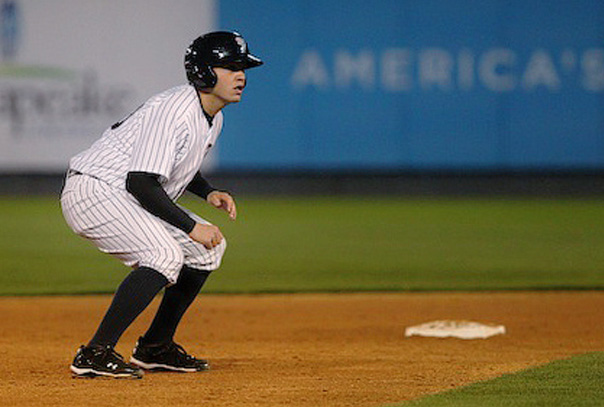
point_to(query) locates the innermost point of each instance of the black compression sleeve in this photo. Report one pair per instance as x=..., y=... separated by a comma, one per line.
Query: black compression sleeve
x=200, y=186
x=147, y=190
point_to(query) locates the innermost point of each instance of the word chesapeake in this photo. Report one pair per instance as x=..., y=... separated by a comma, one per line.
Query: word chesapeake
x=405, y=69
x=23, y=102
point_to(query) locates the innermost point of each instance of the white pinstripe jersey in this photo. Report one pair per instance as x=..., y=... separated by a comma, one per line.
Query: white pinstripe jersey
x=168, y=135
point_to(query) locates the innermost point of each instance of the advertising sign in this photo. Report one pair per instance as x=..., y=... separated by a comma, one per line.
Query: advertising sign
x=71, y=68
x=405, y=84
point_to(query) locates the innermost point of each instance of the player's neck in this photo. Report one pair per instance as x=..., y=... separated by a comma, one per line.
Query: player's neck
x=210, y=103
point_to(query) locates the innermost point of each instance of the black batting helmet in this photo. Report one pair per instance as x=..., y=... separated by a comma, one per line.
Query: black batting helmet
x=226, y=49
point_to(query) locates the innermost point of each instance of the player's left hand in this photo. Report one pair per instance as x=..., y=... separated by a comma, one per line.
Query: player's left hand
x=224, y=201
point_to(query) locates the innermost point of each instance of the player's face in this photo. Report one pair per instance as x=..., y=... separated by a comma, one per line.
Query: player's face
x=230, y=85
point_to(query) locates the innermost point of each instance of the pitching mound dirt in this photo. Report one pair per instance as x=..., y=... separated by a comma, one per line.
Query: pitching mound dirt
x=295, y=350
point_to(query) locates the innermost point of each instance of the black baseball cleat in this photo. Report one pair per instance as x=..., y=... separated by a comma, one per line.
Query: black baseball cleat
x=103, y=361
x=167, y=356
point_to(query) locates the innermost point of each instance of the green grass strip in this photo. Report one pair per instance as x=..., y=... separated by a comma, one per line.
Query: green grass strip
x=33, y=71
x=577, y=381
x=325, y=244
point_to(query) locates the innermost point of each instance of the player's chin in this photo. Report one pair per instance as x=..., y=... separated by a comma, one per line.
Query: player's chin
x=235, y=99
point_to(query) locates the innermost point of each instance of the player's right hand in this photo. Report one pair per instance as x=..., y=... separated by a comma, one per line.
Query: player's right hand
x=208, y=235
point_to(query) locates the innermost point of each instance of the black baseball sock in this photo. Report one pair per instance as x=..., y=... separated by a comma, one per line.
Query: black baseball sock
x=176, y=301
x=131, y=298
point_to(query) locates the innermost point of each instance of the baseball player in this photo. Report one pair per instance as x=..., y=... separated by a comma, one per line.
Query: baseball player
x=121, y=194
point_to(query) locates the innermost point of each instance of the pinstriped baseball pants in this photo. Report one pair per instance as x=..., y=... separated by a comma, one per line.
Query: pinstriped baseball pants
x=119, y=226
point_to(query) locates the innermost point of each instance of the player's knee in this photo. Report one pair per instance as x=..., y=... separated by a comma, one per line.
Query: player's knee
x=168, y=261
x=209, y=259
x=216, y=255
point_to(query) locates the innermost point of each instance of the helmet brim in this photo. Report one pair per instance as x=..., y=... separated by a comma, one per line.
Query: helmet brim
x=240, y=63
x=253, y=61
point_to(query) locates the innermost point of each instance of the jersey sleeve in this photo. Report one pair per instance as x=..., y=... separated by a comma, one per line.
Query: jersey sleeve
x=154, y=150
x=200, y=186
x=148, y=192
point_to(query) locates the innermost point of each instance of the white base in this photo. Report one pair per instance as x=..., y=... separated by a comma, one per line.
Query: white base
x=455, y=329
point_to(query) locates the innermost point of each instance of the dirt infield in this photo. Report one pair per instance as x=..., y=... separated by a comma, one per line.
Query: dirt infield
x=296, y=350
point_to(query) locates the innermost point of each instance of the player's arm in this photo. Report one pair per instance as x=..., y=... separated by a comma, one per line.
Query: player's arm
x=147, y=190
x=200, y=186
x=219, y=199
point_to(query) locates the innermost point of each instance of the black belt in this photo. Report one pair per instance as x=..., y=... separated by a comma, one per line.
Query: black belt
x=71, y=172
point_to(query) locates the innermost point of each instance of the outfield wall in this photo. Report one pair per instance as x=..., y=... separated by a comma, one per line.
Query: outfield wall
x=420, y=85
x=348, y=86
x=71, y=68
x=562, y=184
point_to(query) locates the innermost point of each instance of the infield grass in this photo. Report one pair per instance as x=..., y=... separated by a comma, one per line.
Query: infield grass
x=571, y=382
x=323, y=244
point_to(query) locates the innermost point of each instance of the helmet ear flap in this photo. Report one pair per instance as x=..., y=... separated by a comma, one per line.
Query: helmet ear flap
x=199, y=74
x=203, y=77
